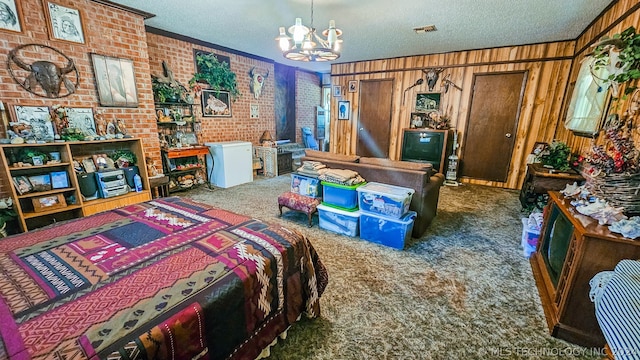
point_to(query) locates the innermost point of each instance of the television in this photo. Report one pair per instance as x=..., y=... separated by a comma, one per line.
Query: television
x=426, y=145
x=555, y=242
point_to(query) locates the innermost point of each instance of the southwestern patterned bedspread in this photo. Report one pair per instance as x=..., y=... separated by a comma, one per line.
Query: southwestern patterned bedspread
x=165, y=279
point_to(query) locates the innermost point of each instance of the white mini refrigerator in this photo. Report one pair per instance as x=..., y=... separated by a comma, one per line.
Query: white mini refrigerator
x=232, y=163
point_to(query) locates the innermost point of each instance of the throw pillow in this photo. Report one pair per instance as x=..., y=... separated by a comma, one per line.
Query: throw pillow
x=322, y=155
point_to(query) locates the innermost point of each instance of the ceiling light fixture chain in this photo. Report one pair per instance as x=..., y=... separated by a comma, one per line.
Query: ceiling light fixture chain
x=303, y=46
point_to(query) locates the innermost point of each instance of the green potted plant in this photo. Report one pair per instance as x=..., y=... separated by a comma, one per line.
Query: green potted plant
x=216, y=74
x=620, y=54
x=556, y=156
x=167, y=92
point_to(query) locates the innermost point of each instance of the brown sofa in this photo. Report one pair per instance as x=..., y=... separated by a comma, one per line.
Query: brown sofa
x=418, y=176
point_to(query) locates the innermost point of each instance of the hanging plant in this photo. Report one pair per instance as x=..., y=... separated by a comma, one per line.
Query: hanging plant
x=620, y=55
x=215, y=73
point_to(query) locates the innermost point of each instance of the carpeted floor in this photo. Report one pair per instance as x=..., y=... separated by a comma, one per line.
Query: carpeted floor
x=462, y=291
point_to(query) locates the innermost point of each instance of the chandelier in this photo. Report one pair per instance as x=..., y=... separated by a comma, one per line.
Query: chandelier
x=307, y=45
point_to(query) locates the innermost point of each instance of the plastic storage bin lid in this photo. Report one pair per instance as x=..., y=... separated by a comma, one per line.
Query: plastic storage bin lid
x=340, y=186
x=386, y=189
x=406, y=219
x=322, y=207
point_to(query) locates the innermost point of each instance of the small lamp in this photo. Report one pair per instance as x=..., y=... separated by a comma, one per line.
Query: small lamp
x=266, y=136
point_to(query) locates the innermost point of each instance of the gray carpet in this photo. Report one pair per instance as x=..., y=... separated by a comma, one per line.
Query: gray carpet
x=462, y=291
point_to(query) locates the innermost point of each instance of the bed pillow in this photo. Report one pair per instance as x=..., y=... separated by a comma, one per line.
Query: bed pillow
x=398, y=164
x=323, y=155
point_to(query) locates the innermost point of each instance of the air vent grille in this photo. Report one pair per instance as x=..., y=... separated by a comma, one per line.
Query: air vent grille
x=425, y=29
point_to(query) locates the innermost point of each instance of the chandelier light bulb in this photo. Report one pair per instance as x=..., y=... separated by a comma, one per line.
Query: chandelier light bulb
x=298, y=31
x=283, y=40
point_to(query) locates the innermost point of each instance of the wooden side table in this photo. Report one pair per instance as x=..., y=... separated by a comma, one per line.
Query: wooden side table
x=539, y=180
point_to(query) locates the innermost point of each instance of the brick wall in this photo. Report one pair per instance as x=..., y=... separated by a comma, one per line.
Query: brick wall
x=107, y=31
x=179, y=56
x=308, y=96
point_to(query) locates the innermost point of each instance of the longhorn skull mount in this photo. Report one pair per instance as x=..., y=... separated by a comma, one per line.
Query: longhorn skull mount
x=432, y=76
x=256, y=82
x=46, y=75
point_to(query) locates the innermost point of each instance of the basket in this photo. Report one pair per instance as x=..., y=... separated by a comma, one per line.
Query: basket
x=620, y=190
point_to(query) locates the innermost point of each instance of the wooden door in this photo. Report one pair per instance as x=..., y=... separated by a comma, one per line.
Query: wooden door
x=492, y=124
x=374, y=122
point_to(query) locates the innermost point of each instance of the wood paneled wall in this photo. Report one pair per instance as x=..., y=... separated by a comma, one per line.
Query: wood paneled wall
x=547, y=65
x=551, y=73
x=614, y=20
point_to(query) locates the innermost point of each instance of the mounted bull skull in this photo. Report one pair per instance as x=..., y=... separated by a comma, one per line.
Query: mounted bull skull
x=45, y=74
x=257, y=80
x=432, y=76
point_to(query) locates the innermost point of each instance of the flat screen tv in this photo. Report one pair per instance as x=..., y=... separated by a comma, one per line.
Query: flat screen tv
x=423, y=146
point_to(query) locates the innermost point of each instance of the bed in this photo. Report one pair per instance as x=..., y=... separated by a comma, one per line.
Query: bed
x=168, y=279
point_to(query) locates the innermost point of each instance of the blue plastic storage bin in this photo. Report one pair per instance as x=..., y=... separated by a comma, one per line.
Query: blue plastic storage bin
x=338, y=221
x=306, y=185
x=388, y=200
x=343, y=196
x=387, y=231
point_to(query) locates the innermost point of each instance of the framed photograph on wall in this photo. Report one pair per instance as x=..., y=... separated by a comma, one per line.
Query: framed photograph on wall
x=344, y=109
x=216, y=103
x=115, y=80
x=337, y=90
x=64, y=23
x=10, y=16
x=353, y=86
x=427, y=102
x=34, y=120
x=82, y=119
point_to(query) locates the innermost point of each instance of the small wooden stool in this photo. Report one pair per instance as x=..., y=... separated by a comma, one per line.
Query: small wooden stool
x=297, y=202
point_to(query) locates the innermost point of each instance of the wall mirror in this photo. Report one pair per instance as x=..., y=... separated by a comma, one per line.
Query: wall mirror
x=589, y=100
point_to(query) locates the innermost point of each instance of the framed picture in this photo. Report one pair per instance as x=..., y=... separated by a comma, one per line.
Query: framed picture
x=59, y=179
x=88, y=165
x=337, y=90
x=344, y=109
x=40, y=182
x=82, y=119
x=65, y=23
x=33, y=121
x=427, y=102
x=103, y=162
x=48, y=202
x=221, y=58
x=37, y=160
x=115, y=80
x=353, y=86
x=418, y=120
x=10, y=16
x=22, y=185
x=216, y=103
x=254, y=111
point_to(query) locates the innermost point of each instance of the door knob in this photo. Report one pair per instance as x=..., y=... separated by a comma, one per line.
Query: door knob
x=508, y=135
x=361, y=129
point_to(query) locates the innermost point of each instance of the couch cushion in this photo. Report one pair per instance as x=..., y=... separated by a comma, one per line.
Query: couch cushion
x=330, y=156
x=398, y=164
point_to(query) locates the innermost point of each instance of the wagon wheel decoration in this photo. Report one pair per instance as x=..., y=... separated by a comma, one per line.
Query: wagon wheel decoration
x=44, y=77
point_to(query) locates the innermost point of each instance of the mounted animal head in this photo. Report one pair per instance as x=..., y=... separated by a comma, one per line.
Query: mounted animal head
x=46, y=74
x=256, y=82
x=432, y=76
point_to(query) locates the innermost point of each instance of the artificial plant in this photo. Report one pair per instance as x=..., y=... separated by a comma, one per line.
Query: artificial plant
x=167, y=92
x=621, y=55
x=216, y=74
x=556, y=156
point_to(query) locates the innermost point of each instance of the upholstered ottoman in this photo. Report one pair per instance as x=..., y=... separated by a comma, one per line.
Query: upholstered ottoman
x=297, y=202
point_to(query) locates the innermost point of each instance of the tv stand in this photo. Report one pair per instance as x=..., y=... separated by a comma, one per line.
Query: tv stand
x=592, y=248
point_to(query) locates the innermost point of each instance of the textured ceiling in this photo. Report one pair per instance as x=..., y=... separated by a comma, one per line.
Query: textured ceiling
x=374, y=29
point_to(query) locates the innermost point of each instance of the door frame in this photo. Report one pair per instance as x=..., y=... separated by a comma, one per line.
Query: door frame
x=515, y=125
